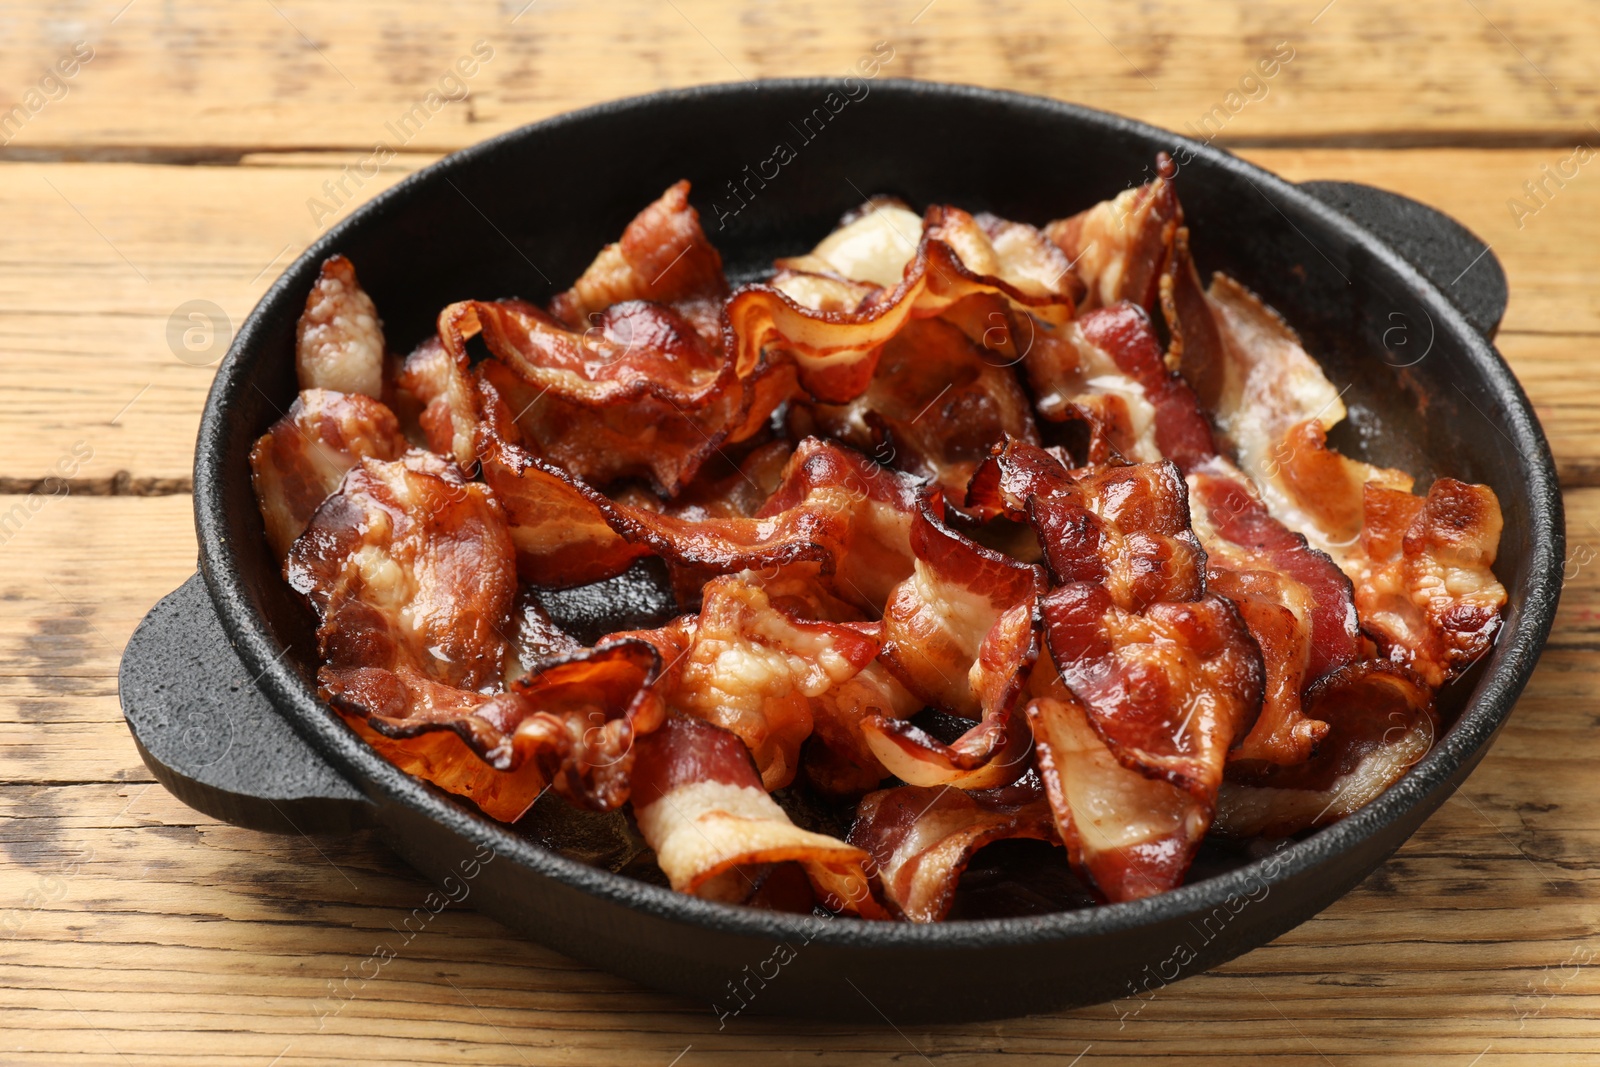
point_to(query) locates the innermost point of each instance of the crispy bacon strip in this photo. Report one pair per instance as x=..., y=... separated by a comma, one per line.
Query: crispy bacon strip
x=664, y=256
x=962, y=633
x=1273, y=407
x=409, y=535
x=638, y=395
x=872, y=244
x=1170, y=689
x=701, y=806
x=1233, y=524
x=339, y=339
x=1381, y=721
x=838, y=759
x=1424, y=588
x=936, y=405
x=560, y=532
x=1132, y=835
x=300, y=461
x=1118, y=247
x=835, y=352
x=755, y=669
x=569, y=724
x=922, y=838
x=441, y=384
x=1423, y=582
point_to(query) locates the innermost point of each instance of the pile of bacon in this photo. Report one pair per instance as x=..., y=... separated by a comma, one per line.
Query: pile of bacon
x=979, y=530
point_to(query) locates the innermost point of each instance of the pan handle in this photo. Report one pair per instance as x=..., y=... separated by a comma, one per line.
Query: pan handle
x=1449, y=254
x=213, y=739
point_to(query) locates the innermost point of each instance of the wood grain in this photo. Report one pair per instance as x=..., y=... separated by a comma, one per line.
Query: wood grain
x=220, y=78
x=177, y=168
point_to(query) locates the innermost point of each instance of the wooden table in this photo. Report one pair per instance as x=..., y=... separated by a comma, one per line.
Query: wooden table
x=178, y=166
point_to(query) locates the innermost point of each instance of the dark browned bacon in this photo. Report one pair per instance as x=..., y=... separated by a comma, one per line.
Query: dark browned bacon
x=922, y=838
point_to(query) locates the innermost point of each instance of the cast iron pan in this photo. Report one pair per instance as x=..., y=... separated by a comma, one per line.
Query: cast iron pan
x=1396, y=300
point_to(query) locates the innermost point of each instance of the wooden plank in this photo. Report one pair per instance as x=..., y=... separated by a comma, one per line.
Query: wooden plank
x=211, y=79
x=140, y=926
x=100, y=373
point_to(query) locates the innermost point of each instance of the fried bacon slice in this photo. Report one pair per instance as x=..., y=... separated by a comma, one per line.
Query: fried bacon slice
x=1381, y=722
x=835, y=353
x=872, y=244
x=569, y=725
x=936, y=405
x=1273, y=408
x=921, y=838
x=1233, y=524
x=962, y=634
x=1424, y=590
x=409, y=564
x=1132, y=835
x=299, y=462
x=664, y=257
x=755, y=669
x=339, y=339
x=1119, y=247
x=838, y=760
x=700, y=804
x=640, y=394
x=1424, y=587
x=442, y=385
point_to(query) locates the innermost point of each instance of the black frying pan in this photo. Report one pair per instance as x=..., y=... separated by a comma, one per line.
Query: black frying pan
x=1396, y=300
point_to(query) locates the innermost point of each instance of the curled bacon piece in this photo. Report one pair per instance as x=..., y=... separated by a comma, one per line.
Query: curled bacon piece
x=441, y=384
x=1134, y=836
x=922, y=838
x=1233, y=524
x=936, y=405
x=569, y=725
x=1424, y=586
x=753, y=668
x=700, y=805
x=439, y=551
x=1235, y=521
x=1119, y=246
x=836, y=352
x=1108, y=365
x=639, y=394
x=1154, y=677
x=962, y=633
x=872, y=245
x=665, y=257
x=838, y=760
x=1170, y=689
x=1424, y=590
x=339, y=339
x=300, y=461
x=1381, y=721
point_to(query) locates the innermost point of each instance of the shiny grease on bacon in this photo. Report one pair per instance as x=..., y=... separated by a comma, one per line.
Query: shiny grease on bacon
x=1186, y=616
